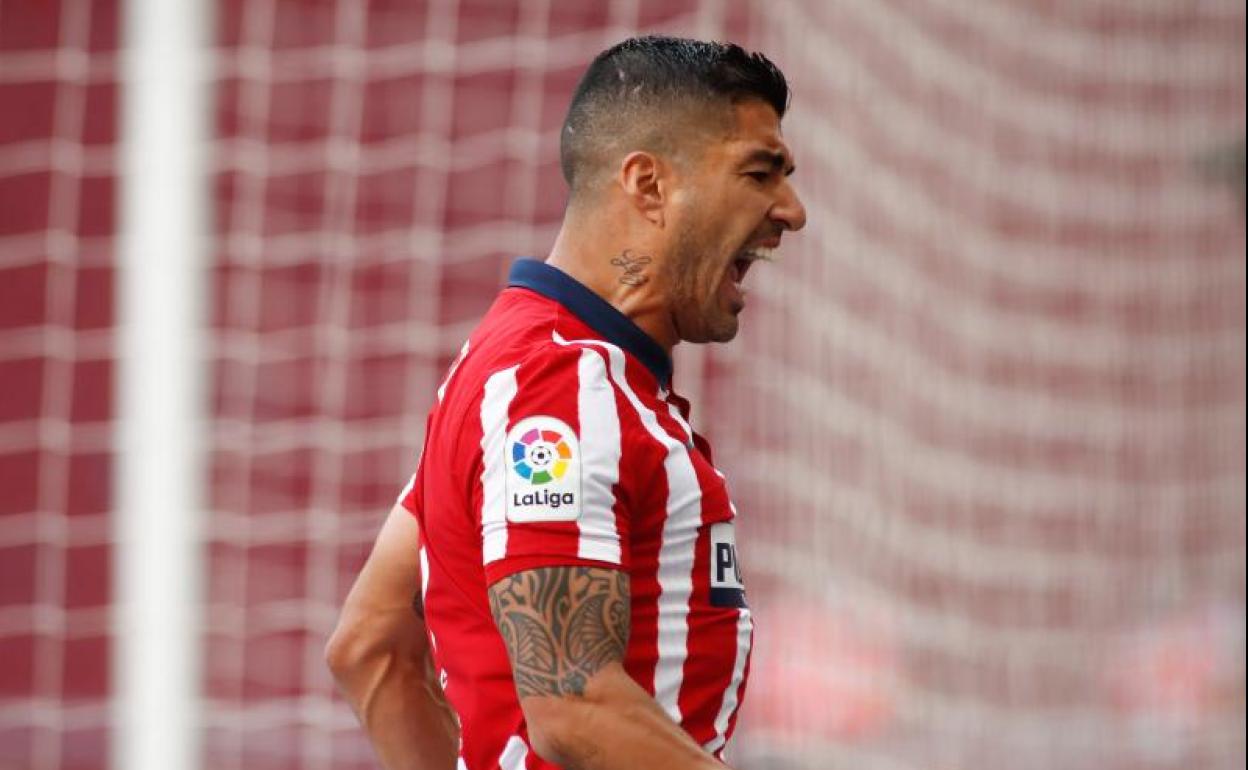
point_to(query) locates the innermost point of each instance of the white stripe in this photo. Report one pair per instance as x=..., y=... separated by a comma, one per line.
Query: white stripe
x=408, y=487
x=500, y=389
x=424, y=593
x=463, y=353
x=424, y=573
x=680, y=535
x=424, y=590
x=731, y=506
x=680, y=420
x=514, y=754
x=745, y=626
x=600, y=460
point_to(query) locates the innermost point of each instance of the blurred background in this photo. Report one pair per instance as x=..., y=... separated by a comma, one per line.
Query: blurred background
x=984, y=424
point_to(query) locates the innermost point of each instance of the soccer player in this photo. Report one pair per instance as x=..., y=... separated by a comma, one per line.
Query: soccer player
x=570, y=545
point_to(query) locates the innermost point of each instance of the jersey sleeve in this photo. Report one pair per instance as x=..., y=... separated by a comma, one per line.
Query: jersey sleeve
x=409, y=498
x=551, y=451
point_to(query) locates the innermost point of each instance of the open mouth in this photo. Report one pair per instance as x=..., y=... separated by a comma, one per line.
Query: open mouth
x=746, y=257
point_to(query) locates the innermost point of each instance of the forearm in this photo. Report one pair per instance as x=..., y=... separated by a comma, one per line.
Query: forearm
x=380, y=656
x=618, y=726
x=400, y=705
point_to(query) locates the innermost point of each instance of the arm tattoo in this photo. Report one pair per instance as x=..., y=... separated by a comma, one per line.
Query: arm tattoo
x=634, y=266
x=561, y=625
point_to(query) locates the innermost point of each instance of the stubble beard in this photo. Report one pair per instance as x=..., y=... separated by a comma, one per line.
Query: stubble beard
x=694, y=281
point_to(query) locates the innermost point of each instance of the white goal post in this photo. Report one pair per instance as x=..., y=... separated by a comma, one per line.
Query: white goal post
x=160, y=393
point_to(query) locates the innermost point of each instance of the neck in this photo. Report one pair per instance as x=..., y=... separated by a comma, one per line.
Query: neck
x=629, y=278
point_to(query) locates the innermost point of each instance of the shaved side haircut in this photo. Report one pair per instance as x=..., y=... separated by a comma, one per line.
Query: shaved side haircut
x=661, y=95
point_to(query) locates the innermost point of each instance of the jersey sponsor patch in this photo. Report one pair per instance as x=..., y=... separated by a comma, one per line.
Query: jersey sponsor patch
x=727, y=590
x=544, y=474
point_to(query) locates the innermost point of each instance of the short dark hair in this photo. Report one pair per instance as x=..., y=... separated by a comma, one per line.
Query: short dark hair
x=635, y=90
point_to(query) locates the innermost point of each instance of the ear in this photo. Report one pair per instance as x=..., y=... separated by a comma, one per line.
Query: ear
x=646, y=181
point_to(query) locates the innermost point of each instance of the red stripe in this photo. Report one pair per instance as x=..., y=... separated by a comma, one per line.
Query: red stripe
x=641, y=470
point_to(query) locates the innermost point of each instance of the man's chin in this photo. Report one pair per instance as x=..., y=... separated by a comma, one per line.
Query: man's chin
x=724, y=330
x=719, y=325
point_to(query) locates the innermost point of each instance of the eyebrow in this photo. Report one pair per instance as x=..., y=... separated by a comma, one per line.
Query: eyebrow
x=776, y=159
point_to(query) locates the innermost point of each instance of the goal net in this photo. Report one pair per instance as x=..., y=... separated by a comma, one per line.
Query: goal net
x=984, y=424
x=58, y=96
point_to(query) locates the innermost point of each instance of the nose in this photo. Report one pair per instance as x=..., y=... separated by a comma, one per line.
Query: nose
x=788, y=210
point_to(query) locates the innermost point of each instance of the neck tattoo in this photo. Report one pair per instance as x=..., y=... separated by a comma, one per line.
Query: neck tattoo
x=634, y=266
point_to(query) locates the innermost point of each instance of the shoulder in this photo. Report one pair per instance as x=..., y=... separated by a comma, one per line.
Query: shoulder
x=554, y=372
x=557, y=383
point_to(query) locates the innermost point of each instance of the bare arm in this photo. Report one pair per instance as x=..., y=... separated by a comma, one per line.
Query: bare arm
x=566, y=629
x=380, y=656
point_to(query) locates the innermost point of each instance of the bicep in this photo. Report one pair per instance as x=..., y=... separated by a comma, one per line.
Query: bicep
x=561, y=626
x=385, y=596
x=566, y=630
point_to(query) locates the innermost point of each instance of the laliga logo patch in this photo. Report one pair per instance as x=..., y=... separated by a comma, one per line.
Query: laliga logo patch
x=544, y=480
x=541, y=456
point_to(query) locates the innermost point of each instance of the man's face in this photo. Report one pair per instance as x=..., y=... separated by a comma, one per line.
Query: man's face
x=729, y=212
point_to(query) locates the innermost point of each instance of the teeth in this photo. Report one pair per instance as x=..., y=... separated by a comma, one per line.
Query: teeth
x=745, y=258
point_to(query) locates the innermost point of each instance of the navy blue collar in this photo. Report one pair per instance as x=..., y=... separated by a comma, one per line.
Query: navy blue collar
x=595, y=311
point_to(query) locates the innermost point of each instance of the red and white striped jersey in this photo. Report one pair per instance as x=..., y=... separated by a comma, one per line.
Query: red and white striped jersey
x=556, y=441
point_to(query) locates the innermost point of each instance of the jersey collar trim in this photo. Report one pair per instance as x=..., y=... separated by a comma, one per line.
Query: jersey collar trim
x=595, y=311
